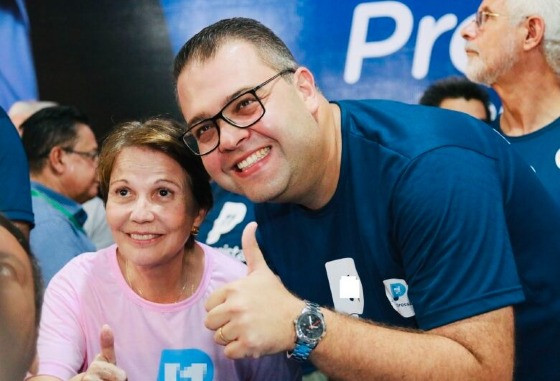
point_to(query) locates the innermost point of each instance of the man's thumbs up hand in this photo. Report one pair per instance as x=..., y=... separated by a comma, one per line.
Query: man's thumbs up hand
x=254, y=315
x=251, y=251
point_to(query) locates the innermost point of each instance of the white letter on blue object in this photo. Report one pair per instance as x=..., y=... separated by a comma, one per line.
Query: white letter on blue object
x=428, y=32
x=359, y=48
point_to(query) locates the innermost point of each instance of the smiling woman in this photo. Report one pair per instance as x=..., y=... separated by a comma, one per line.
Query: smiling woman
x=20, y=300
x=152, y=285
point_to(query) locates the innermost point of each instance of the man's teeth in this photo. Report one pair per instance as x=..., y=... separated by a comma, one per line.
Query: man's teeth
x=143, y=236
x=253, y=158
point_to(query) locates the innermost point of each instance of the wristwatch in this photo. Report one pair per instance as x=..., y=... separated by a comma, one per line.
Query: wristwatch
x=310, y=329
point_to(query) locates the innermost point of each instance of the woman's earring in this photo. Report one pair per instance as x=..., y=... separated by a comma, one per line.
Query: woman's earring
x=194, y=231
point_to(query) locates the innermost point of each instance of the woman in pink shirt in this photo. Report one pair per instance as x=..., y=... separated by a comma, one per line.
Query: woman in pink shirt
x=135, y=310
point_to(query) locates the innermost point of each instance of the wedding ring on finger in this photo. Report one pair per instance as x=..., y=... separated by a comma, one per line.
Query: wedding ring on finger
x=222, y=337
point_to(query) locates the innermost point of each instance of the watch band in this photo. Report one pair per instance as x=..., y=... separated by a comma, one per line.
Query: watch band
x=301, y=351
x=303, y=347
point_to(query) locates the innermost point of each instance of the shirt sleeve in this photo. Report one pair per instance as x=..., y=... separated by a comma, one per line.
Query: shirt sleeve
x=15, y=199
x=61, y=346
x=451, y=232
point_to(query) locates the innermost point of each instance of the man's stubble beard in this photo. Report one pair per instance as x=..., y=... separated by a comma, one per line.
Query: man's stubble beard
x=480, y=71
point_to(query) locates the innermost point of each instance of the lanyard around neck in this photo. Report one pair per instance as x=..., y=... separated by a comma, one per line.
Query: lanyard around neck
x=55, y=204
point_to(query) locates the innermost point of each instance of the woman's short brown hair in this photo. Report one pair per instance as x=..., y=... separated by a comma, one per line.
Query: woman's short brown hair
x=162, y=135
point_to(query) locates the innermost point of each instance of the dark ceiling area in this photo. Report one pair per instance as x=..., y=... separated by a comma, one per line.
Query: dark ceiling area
x=112, y=59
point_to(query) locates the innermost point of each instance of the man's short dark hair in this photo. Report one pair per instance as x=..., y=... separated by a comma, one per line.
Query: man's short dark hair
x=204, y=45
x=36, y=272
x=48, y=128
x=455, y=87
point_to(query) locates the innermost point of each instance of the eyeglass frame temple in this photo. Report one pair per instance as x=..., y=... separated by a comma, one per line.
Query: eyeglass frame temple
x=487, y=13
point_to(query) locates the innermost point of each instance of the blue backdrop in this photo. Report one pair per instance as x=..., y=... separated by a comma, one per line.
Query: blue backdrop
x=388, y=49
x=356, y=49
x=17, y=74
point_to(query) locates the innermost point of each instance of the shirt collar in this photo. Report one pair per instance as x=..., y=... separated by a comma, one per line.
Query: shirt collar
x=70, y=205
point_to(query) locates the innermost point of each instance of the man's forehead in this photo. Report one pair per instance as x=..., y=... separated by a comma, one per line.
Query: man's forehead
x=83, y=128
x=492, y=4
x=235, y=58
x=204, y=87
x=85, y=134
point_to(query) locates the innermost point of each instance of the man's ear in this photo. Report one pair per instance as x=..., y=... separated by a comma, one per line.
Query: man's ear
x=56, y=160
x=534, y=35
x=305, y=84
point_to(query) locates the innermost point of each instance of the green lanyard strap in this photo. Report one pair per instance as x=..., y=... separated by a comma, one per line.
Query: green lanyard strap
x=55, y=204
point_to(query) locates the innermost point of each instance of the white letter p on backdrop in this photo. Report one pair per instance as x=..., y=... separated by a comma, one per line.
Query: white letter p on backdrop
x=359, y=48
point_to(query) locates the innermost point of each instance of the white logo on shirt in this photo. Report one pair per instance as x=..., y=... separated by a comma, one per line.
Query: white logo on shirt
x=232, y=213
x=557, y=159
x=194, y=372
x=189, y=364
x=397, y=293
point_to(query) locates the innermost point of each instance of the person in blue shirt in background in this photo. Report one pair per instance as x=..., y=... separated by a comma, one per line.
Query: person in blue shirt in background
x=458, y=94
x=514, y=47
x=62, y=153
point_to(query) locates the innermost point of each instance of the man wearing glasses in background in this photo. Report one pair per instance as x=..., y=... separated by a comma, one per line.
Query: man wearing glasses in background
x=414, y=220
x=514, y=46
x=62, y=152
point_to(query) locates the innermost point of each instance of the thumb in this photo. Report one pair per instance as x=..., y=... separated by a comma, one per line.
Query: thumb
x=251, y=250
x=107, y=344
x=34, y=367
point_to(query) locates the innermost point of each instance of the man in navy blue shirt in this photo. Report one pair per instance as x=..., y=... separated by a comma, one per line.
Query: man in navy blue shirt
x=514, y=46
x=421, y=222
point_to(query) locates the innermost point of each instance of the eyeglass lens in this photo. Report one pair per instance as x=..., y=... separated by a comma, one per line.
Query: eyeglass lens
x=478, y=19
x=241, y=112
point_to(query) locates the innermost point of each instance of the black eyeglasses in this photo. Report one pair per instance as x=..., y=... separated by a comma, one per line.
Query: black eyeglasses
x=91, y=155
x=242, y=111
x=482, y=16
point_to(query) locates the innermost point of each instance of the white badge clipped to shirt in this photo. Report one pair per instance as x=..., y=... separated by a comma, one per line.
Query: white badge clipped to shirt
x=346, y=288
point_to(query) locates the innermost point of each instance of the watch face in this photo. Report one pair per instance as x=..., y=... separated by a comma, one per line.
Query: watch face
x=311, y=325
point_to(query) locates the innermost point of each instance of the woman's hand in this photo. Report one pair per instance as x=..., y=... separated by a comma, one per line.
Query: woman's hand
x=104, y=366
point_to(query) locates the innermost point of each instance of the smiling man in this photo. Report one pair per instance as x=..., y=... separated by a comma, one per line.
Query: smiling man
x=514, y=46
x=62, y=154
x=421, y=222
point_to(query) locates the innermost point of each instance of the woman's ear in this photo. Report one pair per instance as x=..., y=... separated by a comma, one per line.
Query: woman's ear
x=200, y=216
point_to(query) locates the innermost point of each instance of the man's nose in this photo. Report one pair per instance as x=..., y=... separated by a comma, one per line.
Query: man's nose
x=468, y=32
x=231, y=136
